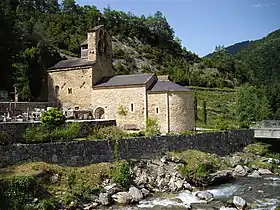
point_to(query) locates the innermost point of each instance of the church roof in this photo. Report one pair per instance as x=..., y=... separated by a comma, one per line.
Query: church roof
x=121, y=80
x=163, y=86
x=75, y=62
x=84, y=42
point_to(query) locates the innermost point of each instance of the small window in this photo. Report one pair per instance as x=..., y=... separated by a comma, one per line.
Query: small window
x=77, y=108
x=84, y=47
x=56, y=89
x=132, y=107
x=69, y=91
x=157, y=110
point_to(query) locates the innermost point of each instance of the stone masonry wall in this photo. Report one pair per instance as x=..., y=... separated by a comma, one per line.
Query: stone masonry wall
x=79, y=153
x=158, y=101
x=112, y=99
x=182, y=115
x=79, y=80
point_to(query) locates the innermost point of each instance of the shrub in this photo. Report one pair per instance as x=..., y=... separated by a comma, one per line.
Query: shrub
x=47, y=204
x=135, y=134
x=18, y=191
x=152, y=128
x=53, y=118
x=67, y=133
x=257, y=149
x=122, y=111
x=110, y=132
x=198, y=175
x=122, y=175
x=42, y=134
x=221, y=124
x=5, y=138
x=36, y=134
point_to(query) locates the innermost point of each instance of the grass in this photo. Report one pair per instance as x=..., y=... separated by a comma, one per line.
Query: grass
x=91, y=175
x=198, y=165
x=60, y=184
x=220, y=105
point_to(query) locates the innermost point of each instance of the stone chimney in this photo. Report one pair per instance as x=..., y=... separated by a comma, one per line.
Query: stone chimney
x=163, y=77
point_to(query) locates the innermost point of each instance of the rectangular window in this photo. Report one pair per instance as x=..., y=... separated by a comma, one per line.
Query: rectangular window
x=69, y=91
x=157, y=110
x=132, y=107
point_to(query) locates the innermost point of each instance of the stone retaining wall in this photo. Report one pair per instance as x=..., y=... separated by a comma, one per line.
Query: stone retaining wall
x=79, y=153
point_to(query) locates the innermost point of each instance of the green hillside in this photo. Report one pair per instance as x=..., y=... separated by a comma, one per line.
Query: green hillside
x=220, y=107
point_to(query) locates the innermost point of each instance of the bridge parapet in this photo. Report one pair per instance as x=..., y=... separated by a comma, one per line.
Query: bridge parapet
x=267, y=129
x=267, y=124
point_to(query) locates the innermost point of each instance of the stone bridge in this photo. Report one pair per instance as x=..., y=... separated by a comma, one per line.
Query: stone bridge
x=267, y=129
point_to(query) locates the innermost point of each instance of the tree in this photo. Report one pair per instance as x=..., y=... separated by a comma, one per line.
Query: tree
x=8, y=42
x=53, y=118
x=252, y=105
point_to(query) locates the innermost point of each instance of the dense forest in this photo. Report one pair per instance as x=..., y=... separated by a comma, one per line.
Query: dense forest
x=36, y=34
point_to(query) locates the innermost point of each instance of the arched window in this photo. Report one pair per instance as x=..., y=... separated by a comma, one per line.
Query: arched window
x=99, y=113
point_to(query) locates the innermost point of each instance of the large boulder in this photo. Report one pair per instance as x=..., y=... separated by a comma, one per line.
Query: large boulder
x=141, y=178
x=240, y=171
x=235, y=160
x=204, y=195
x=255, y=174
x=122, y=198
x=145, y=192
x=136, y=194
x=239, y=202
x=227, y=208
x=104, y=199
x=172, y=185
x=220, y=177
x=179, y=184
x=264, y=171
x=113, y=189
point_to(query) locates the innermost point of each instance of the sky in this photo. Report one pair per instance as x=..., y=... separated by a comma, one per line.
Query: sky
x=204, y=24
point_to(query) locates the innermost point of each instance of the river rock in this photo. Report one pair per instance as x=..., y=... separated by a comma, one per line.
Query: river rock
x=90, y=206
x=136, y=194
x=172, y=185
x=145, y=192
x=104, y=199
x=264, y=171
x=122, y=198
x=205, y=195
x=240, y=171
x=235, y=160
x=113, y=189
x=227, y=208
x=165, y=159
x=187, y=186
x=255, y=174
x=179, y=184
x=239, y=202
x=54, y=178
x=141, y=178
x=220, y=177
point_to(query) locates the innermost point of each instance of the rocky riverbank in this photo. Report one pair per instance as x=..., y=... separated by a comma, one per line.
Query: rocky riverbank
x=141, y=184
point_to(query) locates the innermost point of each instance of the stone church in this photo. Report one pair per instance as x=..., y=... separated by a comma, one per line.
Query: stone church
x=90, y=83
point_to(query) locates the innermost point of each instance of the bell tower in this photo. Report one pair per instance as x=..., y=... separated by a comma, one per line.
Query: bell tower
x=98, y=46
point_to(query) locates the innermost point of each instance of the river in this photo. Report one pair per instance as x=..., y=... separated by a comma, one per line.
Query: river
x=260, y=193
